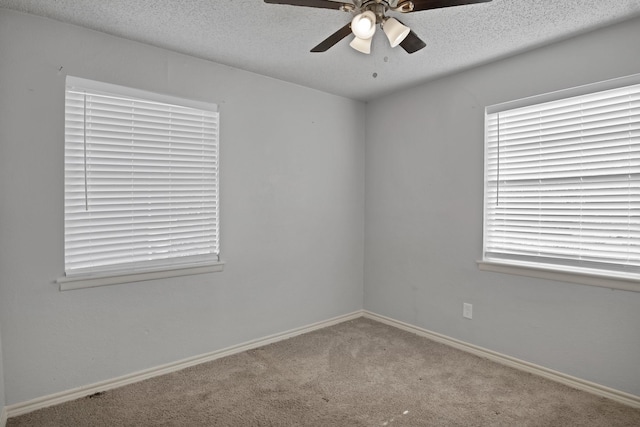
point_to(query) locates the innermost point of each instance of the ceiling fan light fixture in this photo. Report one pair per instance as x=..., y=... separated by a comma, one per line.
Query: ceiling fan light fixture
x=361, y=45
x=363, y=25
x=395, y=31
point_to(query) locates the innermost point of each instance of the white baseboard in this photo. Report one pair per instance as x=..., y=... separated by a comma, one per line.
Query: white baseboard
x=593, y=388
x=77, y=393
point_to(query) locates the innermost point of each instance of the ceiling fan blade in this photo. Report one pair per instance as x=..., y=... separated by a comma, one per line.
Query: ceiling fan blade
x=419, y=5
x=322, y=4
x=412, y=43
x=333, y=39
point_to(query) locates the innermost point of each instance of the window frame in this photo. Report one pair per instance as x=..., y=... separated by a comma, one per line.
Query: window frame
x=156, y=269
x=566, y=273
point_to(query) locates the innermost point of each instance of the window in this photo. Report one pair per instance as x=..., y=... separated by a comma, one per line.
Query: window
x=141, y=185
x=562, y=182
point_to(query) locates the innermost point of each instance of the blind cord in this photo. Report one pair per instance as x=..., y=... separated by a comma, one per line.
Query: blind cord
x=84, y=132
x=498, y=175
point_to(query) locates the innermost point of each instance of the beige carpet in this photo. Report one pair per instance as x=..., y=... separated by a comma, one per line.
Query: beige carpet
x=358, y=373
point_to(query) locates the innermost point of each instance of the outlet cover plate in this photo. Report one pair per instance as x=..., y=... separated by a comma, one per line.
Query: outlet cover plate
x=467, y=310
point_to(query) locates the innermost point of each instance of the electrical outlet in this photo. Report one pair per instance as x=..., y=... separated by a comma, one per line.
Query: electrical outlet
x=467, y=310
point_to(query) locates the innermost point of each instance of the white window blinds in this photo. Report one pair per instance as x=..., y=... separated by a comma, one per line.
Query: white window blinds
x=563, y=181
x=141, y=180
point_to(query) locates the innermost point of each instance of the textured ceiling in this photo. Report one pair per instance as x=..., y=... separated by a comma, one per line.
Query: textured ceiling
x=274, y=40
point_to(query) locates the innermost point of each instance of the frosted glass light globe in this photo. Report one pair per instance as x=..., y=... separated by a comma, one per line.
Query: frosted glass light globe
x=363, y=26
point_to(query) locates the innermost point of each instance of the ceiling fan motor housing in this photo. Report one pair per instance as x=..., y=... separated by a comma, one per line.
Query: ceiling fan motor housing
x=378, y=7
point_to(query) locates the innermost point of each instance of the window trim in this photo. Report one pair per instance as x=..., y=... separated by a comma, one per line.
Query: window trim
x=115, y=276
x=579, y=276
x=565, y=93
x=106, y=279
x=564, y=273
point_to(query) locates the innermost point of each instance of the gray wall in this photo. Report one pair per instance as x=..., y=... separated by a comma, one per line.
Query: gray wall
x=292, y=214
x=423, y=221
x=3, y=401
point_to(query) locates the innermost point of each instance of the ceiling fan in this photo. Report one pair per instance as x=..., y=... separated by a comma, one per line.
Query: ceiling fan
x=369, y=14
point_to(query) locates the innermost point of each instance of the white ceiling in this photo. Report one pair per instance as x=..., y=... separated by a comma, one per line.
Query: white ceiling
x=274, y=40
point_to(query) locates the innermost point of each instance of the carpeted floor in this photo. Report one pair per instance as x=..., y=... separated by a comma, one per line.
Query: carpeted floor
x=358, y=373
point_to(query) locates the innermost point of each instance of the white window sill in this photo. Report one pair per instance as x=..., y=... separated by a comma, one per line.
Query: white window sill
x=91, y=281
x=584, y=277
